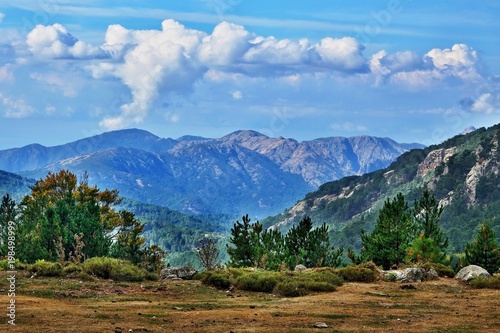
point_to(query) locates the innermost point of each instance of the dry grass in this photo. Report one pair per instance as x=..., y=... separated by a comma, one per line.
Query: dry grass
x=68, y=305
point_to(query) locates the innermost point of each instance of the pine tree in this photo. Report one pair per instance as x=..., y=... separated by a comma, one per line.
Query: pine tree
x=245, y=240
x=8, y=213
x=431, y=245
x=393, y=233
x=310, y=247
x=484, y=250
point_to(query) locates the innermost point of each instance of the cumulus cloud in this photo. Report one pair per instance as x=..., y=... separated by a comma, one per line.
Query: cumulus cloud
x=16, y=108
x=461, y=62
x=486, y=103
x=153, y=62
x=55, y=81
x=55, y=42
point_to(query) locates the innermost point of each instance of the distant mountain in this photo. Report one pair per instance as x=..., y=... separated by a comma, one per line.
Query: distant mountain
x=462, y=172
x=242, y=172
x=14, y=185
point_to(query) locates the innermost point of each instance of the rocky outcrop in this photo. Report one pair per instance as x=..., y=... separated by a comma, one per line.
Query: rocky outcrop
x=410, y=275
x=300, y=268
x=469, y=273
x=179, y=272
x=434, y=159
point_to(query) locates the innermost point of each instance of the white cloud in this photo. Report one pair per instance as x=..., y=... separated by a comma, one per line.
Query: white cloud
x=55, y=81
x=6, y=72
x=461, y=62
x=55, y=42
x=486, y=103
x=2, y=16
x=16, y=108
x=343, y=54
x=237, y=94
x=349, y=127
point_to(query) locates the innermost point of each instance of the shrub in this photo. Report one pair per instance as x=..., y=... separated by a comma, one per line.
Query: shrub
x=290, y=288
x=357, y=274
x=258, y=281
x=4, y=265
x=324, y=274
x=118, y=270
x=294, y=288
x=442, y=270
x=46, y=268
x=72, y=269
x=219, y=280
x=482, y=282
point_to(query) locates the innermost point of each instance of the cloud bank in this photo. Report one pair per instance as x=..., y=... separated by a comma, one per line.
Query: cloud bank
x=156, y=63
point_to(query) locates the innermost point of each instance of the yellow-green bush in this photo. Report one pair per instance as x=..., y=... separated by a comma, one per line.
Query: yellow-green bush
x=294, y=288
x=482, y=282
x=118, y=270
x=357, y=274
x=258, y=281
x=46, y=268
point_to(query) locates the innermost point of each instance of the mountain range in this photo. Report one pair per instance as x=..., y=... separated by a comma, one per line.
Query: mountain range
x=463, y=173
x=242, y=172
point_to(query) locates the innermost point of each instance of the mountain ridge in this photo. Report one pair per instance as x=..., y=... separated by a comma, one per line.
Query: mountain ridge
x=243, y=171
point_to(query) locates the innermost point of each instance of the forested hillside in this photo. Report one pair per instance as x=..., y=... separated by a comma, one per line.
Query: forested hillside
x=462, y=172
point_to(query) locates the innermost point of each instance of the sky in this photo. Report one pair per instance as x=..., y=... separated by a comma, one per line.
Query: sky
x=414, y=71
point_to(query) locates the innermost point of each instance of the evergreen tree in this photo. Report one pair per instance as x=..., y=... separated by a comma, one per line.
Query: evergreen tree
x=272, y=249
x=484, y=251
x=387, y=244
x=431, y=245
x=8, y=213
x=245, y=240
x=310, y=247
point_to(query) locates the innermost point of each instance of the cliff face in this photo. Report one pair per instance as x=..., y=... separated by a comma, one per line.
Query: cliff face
x=463, y=173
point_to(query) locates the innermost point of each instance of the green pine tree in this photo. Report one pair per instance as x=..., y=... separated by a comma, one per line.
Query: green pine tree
x=387, y=244
x=245, y=240
x=8, y=213
x=484, y=250
x=431, y=245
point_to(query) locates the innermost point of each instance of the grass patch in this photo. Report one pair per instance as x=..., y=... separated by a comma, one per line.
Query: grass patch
x=115, y=269
x=485, y=283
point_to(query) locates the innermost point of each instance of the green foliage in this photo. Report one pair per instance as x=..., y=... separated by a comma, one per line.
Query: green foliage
x=424, y=250
x=484, y=251
x=291, y=288
x=490, y=283
x=245, y=239
x=45, y=268
x=285, y=283
x=8, y=213
x=264, y=281
x=303, y=244
x=393, y=233
x=219, y=280
x=357, y=274
x=115, y=269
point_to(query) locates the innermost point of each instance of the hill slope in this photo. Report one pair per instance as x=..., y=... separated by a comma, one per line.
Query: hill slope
x=463, y=173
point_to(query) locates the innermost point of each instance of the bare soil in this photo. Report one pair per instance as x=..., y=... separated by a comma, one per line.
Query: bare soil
x=70, y=305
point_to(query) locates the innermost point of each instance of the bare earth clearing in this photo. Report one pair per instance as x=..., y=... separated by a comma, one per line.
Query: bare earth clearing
x=70, y=305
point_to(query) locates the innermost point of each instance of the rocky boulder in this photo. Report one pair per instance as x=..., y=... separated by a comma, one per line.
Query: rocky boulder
x=178, y=272
x=300, y=268
x=469, y=273
x=409, y=275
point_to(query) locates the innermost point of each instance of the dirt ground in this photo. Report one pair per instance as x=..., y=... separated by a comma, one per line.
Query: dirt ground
x=70, y=305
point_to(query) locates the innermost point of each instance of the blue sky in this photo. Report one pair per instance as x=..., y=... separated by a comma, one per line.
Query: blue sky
x=415, y=71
